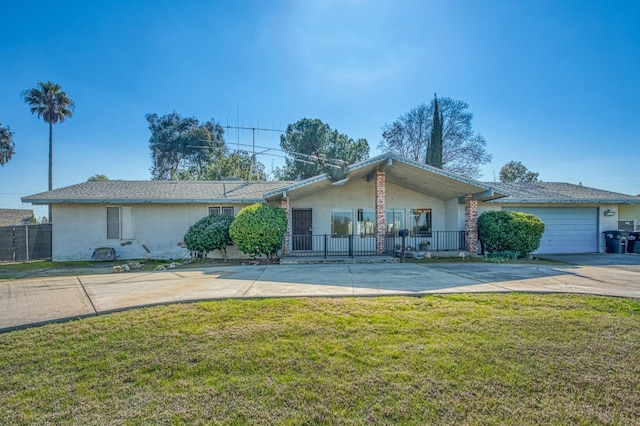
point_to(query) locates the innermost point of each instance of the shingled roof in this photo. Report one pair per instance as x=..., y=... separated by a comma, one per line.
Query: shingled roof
x=137, y=192
x=179, y=192
x=560, y=193
x=10, y=217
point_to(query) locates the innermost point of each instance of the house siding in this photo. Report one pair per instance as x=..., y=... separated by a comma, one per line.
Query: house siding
x=79, y=229
x=629, y=212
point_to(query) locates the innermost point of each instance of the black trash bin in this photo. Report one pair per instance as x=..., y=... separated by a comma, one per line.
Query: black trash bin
x=633, y=242
x=616, y=241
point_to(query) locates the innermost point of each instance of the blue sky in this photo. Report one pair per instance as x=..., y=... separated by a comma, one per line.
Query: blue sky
x=554, y=84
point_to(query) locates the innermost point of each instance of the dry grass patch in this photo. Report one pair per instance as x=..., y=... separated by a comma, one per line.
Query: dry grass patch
x=463, y=359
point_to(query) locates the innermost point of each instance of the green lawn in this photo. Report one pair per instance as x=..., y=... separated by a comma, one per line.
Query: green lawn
x=463, y=359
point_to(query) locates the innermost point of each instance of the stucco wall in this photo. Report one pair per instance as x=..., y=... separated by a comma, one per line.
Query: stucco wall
x=454, y=215
x=608, y=223
x=486, y=207
x=148, y=231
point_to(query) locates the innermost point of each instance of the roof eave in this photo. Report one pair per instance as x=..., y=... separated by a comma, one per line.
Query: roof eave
x=296, y=185
x=449, y=175
x=498, y=192
x=563, y=201
x=146, y=201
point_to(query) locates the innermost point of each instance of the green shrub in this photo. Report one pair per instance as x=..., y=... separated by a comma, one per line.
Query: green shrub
x=208, y=234
x=258, y=229
x=516, y=232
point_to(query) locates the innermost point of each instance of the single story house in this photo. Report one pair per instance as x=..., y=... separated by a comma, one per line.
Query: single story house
x=361, y=214
x=139, y=219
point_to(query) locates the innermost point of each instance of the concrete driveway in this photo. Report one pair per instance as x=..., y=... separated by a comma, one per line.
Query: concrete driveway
x=627, y=261
x=41, y=300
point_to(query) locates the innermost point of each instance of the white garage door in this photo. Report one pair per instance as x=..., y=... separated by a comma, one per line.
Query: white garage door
x=567, y=229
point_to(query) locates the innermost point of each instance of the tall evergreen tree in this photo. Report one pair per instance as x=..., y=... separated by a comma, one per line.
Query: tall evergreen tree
x=434, y=149
x=463, y=150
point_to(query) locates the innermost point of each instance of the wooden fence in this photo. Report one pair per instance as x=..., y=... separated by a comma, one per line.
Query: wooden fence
x=25, y=242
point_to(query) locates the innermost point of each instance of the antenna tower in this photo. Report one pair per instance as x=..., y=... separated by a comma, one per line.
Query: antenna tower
x=253, y=170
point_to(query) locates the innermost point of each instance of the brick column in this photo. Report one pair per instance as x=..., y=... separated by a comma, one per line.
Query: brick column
x=471, y=223
x=284, y=204
x=380, y=207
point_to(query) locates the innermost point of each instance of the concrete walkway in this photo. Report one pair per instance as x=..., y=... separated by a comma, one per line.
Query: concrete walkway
x=41, y=300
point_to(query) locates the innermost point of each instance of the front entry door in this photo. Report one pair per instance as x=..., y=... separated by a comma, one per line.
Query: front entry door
x=302, y=229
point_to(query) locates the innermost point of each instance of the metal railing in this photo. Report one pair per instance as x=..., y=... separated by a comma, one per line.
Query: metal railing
x=326, y=245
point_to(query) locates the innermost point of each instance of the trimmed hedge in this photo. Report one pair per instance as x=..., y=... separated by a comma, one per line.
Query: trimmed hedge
x=208, y=234
x=515, y=232
x=258, y=229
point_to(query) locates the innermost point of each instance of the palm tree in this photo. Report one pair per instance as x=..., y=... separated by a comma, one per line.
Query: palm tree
x=53, y=105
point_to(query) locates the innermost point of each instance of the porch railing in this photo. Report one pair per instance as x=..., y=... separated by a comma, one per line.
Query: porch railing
x=326, y=245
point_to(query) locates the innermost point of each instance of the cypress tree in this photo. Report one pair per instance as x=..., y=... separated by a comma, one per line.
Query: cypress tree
x=434, y=150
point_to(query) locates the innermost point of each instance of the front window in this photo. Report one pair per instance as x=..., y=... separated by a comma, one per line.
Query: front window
x=395, y=220
x=421, y=222
x=341, y=223
x=224, y=211
x=113, y=223
x=366, y=225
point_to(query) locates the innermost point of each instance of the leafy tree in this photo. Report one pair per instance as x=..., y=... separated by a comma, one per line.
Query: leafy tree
x=515, y=171
x=98, y=178
x=6, y=144
x=258, y=229
x=182, y=147
x=236, y=164
x=53, y=105
x=313, y=148
x=434, y=150
x=463, y=151
x=505, y=231
x=208, y=234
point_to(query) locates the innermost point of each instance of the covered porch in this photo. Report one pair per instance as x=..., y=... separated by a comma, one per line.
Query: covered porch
x=378, y=203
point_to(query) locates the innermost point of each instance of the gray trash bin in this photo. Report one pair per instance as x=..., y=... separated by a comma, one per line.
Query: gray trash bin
x=616, y=241
x=633, y=242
